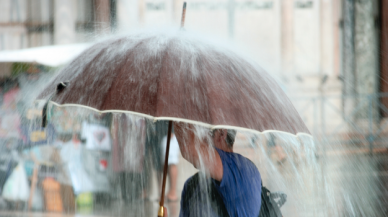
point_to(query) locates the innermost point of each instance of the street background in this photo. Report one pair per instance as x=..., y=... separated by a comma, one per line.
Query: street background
x=329, y=57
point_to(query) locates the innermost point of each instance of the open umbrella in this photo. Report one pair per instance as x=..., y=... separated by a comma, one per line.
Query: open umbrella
x=175, y=76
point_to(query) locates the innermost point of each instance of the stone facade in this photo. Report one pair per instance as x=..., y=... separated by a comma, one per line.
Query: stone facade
x=366, y=47
x=361, y=59
x=32, y=23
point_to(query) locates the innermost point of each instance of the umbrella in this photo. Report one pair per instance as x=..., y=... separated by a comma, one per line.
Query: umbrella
x=175, y=76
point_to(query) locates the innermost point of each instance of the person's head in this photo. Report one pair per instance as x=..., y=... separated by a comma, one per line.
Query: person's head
x=223, y=138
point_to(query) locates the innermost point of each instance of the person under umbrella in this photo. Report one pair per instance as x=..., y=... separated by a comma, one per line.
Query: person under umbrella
x=234, y=180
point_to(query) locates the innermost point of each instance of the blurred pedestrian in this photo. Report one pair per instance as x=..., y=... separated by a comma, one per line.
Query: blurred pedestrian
x=129, y=140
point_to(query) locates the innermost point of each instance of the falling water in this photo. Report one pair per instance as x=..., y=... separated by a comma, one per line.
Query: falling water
x=112, y=176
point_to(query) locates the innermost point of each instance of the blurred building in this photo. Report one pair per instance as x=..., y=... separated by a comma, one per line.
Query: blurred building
x=32, y=23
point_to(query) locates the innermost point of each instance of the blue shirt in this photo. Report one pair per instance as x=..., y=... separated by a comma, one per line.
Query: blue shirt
x=240, y=189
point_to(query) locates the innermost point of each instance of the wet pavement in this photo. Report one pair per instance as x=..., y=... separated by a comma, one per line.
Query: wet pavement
x=360, y=184
x=351, y=185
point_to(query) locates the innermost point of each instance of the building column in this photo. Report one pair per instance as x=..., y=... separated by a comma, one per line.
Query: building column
x=326, y=39
x=287, y=37
x=102, y=16
x=348, y=57
x=366, y=47
x=336, y=25
x=128, y=15
x=383, y=54
x=366, y=59
x=64, y=22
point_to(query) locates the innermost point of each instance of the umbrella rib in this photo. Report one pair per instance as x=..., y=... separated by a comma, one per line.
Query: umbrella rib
x=164, y=59
x=202, y=68
x=86, y=67
x=119, y=69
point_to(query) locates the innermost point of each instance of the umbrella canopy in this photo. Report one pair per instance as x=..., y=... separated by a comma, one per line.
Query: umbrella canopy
x=176, y=76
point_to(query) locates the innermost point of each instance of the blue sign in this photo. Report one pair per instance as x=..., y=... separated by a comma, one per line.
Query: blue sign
x=35, y=135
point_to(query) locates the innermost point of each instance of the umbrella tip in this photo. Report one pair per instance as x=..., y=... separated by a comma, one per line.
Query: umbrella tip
x=183, y=15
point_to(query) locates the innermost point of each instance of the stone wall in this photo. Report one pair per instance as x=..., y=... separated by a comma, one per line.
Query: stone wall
x=366, y=46
x=360, y=58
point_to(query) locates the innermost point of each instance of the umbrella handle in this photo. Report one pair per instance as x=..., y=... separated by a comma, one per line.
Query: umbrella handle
x=161, y=203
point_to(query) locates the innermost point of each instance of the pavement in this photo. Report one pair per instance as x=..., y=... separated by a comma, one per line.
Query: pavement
x=345, y=183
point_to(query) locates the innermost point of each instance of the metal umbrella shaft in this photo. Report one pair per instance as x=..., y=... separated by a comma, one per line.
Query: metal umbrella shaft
x=183, y=15
x=161, y=203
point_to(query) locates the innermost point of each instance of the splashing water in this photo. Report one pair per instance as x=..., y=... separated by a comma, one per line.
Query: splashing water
x=114, y=158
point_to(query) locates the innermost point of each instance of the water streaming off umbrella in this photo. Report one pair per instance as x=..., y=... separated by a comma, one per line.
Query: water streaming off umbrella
x=315, y=185
x=111, y=175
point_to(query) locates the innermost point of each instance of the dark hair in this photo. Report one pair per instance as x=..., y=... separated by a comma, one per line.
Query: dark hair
x=230, y=137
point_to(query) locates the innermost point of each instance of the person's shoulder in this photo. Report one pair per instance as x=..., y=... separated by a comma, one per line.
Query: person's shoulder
x=232, y=156
x=245, y=162
x=249, y=161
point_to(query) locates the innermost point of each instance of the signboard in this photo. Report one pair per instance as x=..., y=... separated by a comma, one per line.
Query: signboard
x=34, y=135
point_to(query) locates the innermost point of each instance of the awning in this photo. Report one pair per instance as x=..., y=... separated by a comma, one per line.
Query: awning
x=53, y=56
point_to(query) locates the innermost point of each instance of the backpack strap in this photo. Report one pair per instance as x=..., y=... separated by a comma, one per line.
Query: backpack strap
x=269, y=207
x=191, y=185
x=216, y=202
